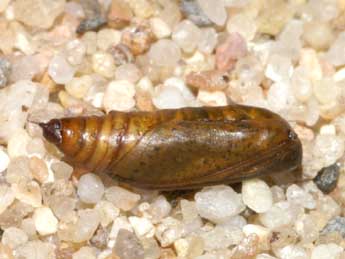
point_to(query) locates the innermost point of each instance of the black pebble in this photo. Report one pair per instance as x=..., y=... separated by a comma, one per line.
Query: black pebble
x=327, y=178
x=92, y=24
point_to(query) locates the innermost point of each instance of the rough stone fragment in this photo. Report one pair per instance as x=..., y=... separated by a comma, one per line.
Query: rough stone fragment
x=128, y=246
x=107, y=211
x=214, y=10
x=4, y=160
x=91, y=24
x=45, y=221
x=335, y=225
x=192, y=10
x=38, y=13
x=103, y=64
x=297, y=195
x=36, y=249
x=165, y=53
x=257, y=195
x=108, y=37
x=85, y=253
x=218, y=203
x=119, y=96
x=187, y=35
x=138, y=38
x=212, y=98
x=60, y=70
x=168, y=231
x=292, y=252
x=327, y=178
x=122, y=198
x=327, y=251
x=14, y=237
x=208, y=80
x=90, y=188
x=159, y=28
x=94, y=16
x=119, y=14
x=232, y=49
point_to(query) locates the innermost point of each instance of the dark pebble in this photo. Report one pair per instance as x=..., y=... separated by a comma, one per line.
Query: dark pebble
x=5, y=71
x=335, y=225
x=95, y=16
x=327, y=178
x=193, y=12
x=92, y=24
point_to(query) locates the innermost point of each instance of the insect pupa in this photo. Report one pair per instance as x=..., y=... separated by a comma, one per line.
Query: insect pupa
x=179, y=148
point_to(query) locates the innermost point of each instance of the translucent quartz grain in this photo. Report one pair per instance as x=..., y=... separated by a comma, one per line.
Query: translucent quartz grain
x=119, y=96
x=39, y=169
x=257, y=195
x=107, y=38
x=141, y=225
x=78, y=87
x=7, y=197
x=129, y=72
x=218, y=203
x=279, y=68
x=38, y=13
x=83, y=229
x=327, y=251
x=4, y=160
x=122, y=198
x=297, y=195
x=19, y=170
x=14, y=237
x=318, y=35
x=128, y=246
x=325, y=90
x=75, y=52
x=85, y=253
x=173, y=94
x=264, y=234
x=242, y=24
x=36, y=249
x=45, y=221
x=335, y=54
x=212, y=98
x=301, y=85
x=3, y=5
x=159, y=208
x=281, y=214
x=103, y=64
x=187, y=35
x=207, y=40
x=165, y=53
x=292, y=252
x=19, y=139
x=221, y=237
x=328, y=148
x=214, y=10
x=60, y=70
x=90, y=188
x=168, y=231
x=160, y=28
x=107, y=211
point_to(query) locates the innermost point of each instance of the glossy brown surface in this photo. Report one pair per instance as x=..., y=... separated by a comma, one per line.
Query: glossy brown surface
x=179, y=149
